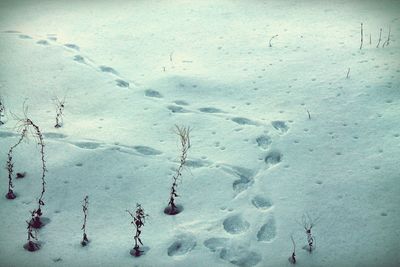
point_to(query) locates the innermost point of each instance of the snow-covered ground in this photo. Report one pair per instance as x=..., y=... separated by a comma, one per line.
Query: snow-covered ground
x=131, y=70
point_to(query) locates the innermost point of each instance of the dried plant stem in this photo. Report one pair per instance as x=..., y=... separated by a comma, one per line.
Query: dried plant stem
x=32, y=234
x=2, y=110
x=38, y=134
x=362, y=37
x=10, y=164
x=380, y=38
x=184, y=135
x=292, y=258
x=138, y=221
x=60, y=104
x=270, y=40
x=85, y=209
x=386, y=43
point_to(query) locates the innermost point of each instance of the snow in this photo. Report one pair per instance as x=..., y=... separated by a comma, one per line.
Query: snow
x=131, y=70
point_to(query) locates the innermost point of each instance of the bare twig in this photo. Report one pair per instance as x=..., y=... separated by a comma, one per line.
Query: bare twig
x=85, y=209
x=184, y=135
x=60, y=104
x=386, y=43
x=292, y=258
x=2, y=110
x=380, y=38
x=10, y=164
x=362, y=36
x=348, y=72
x=308, y=223
x=270, y=40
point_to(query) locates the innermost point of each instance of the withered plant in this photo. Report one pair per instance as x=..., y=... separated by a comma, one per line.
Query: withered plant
x=85, y=209
x=308, y=223
x=292, y=258
x=362, y=37
x=2, y=110
x=380, y=37
x=32, y=235
x=386, y=43
x=60, y=104
x=10, y=164
x=184, y=135
x=37, y=223
x=138, y=221
x=26, y=126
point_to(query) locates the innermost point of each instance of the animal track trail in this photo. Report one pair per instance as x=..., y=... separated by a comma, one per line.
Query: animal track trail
x=85, y=60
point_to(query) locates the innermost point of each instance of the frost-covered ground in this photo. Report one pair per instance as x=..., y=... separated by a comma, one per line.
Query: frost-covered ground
x=131, y=70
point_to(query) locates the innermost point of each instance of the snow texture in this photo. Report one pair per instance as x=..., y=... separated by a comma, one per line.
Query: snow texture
x=306, y=125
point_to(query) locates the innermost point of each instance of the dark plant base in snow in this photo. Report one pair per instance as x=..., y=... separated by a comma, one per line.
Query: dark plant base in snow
x=20, y=175
x=85, y=241
x=139, y=252
x=57, y=126
x=170, y=211
x=307, y=247
x=10, y=195
x=39, y=222
x=32, y=246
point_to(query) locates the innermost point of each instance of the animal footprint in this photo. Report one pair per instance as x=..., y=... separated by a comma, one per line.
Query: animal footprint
x=181, y=103
x=152, y=93
x=177, y=109
x=197, y=163
x=240, y=256
x=243, y=121
x=145, y=150
x=54, y=135
x=87, y=145
x=280, y=126
x=42, y=42
x=261, y=202
x=108, y=69
x=267, y=232
x=23, y=36
x=72, y=46
x=79, y=58
x=214, y=244
x=210, y=110
x=182, y=246
x=273, y=158
x=236, y=224
x=264, y=141
x=122, y=83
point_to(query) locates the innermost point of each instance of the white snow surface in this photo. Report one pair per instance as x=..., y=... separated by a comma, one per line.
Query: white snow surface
x=131, y=70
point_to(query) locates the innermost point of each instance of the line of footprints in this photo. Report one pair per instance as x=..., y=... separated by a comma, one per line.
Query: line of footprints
x=230, y=249
x=52, y=40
